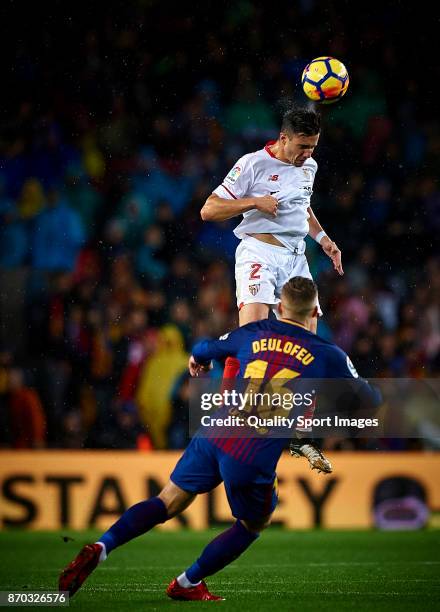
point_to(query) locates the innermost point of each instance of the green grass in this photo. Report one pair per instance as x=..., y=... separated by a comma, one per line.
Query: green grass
x=284, y=570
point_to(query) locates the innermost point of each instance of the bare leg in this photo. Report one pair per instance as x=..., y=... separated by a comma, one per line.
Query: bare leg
x=176, y=500
x=253, y=312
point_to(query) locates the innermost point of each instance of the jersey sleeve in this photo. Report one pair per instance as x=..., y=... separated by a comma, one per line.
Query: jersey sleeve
x=341, y=365
x=314, y=170
x=238, y=181
x=226, y=346
x=369, y=397
x=311, y=173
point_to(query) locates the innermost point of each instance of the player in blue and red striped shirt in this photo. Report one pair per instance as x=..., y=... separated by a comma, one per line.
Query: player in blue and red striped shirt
x=281, y=349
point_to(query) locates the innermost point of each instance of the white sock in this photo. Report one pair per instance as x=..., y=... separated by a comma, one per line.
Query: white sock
x=184, y=582
x=103, y=555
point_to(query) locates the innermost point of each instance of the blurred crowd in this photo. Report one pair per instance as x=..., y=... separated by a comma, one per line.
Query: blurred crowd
x=107, y=273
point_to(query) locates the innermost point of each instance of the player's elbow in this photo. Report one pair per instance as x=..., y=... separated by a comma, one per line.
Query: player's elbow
x=207, y=212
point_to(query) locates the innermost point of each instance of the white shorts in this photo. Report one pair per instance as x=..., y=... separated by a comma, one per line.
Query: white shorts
x=262, y=269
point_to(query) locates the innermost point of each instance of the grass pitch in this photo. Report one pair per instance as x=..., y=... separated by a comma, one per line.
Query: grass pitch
x=284, y=570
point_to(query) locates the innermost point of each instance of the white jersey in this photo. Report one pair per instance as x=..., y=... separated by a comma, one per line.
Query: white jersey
x=261, y=173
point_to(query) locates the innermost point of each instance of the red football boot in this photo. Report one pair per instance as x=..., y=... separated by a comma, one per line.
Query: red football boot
x=72, y=576
x=196, y=593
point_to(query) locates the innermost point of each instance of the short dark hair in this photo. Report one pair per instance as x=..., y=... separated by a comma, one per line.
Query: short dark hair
x=298, y=120
x=300, y=294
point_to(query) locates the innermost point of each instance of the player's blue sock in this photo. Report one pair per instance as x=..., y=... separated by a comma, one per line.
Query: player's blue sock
x=135, y=521
x=221, y=551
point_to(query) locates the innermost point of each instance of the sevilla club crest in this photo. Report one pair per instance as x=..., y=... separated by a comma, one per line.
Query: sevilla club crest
x=254, y=289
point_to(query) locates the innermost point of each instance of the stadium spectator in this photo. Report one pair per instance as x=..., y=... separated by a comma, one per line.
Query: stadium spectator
x=157, y=380
x=26, y=415
x=56, y=236
x=13, y=237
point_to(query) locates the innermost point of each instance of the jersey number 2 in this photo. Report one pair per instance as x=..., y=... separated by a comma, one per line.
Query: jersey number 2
x=255, y=268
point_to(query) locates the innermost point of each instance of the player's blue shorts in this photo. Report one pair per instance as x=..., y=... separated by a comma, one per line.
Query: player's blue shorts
x=252, y=493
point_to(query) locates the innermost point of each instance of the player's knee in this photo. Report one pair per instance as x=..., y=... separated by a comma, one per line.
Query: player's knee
x=257, y=525
x=175, y=498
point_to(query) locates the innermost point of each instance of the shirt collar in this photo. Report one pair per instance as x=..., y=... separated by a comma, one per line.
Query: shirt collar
x=290, y=322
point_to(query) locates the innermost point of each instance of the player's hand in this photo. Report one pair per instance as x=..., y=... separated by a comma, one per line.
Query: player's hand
x=267, y=205
x=195, y=368
x=331, y=249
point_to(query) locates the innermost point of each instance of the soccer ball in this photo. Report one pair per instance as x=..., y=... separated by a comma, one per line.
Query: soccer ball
x=325, y=80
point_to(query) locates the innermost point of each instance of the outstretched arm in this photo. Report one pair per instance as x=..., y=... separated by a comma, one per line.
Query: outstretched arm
x=329, y=247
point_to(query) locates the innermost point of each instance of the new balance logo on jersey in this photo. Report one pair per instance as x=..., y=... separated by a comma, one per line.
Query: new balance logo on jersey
x=273, y=177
